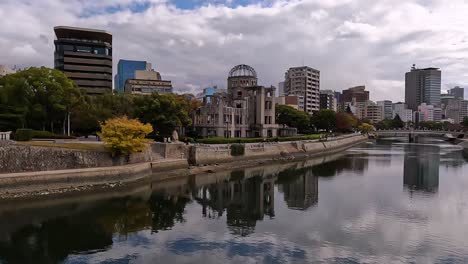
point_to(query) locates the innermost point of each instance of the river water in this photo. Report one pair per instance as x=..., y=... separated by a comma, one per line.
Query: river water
x=379, y=202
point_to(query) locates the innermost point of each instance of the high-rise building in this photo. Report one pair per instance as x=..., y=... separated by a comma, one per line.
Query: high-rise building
x=85, y=56
x=374, y=113
x=357, y=94
x=281, y=89
x=455, y=109
x=304, y=81
x=327, y=100
x=387, y=108
x=457, y=92
x=422, y=86
x=126, y=70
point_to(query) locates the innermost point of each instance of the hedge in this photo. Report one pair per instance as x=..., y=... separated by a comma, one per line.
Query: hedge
x=23, y=134
x=220, y=140
x=48, y=135
x=237, y=150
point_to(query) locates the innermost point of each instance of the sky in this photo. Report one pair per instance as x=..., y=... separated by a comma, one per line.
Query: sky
x=195, y=43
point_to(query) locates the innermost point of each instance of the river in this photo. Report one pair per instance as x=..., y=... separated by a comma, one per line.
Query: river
x=379, y=202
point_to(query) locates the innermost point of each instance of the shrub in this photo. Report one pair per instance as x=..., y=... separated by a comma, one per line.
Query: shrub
x=237, y=150
x=220, y=140
x=48, y=135
x=125, y=136
x=23, y=134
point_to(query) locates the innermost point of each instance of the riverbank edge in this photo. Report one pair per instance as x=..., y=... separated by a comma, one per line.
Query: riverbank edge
x=42, y=183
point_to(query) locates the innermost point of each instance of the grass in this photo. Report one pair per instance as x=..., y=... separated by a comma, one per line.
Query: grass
x=73, y=145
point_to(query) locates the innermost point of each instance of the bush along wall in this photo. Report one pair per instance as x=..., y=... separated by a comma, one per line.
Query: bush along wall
x=237, y=150
x=23, y=134
x=220, y=140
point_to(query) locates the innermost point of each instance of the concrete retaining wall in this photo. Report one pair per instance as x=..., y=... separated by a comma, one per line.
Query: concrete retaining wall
x=208, y=154
x=23, y=158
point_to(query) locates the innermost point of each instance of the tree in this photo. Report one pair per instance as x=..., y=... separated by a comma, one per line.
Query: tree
x=125, y=136
x=348, y=109
x=397, y=122
x=365, y=128
x=38, y=98
x=324, y=119
x=385, y=124
x=465, y=122
x=287, y=115
x=165, y=112
x=345, y=122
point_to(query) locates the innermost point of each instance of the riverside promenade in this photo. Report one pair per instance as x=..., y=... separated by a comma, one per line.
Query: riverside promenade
x=160, y=161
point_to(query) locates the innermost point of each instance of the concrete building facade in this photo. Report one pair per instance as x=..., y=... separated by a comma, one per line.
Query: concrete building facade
x=387, y=107
x=422, y=86
x=405, y=114
x=374, y=113
x=85, y=56
x=328, y=100
x=429, y=112
x=304, y=81
x=357, y=93
x=457, y=92
x=455, y=109
x=245, y=110
x=147, y=82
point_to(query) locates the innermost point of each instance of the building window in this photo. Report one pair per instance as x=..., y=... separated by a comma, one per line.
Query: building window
x=83, y=49
x=100, y=51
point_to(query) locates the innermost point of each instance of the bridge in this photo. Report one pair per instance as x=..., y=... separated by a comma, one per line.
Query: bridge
x=411, y=134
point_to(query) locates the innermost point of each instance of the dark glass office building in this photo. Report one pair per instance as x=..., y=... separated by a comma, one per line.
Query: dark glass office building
x=422, y=86
x=85, y=56
x=126, y=70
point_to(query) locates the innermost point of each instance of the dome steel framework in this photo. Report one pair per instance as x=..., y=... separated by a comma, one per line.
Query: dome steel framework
x=242, y=70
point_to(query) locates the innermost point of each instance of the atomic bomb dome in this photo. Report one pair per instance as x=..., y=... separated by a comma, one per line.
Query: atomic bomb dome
x=241, y=76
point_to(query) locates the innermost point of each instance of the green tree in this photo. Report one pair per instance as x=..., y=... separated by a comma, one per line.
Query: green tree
x=287, y=115
x=324, y=119
x=465, y=122
x=397, y=122
x=38, y=98
x=164, y=112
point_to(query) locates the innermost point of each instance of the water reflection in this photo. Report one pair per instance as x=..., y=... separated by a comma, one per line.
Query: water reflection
x=246, y=200
x=363, y=214
x=421, y=168
x=300, y=188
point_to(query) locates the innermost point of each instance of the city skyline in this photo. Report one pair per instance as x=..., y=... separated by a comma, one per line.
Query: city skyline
x=178, y=37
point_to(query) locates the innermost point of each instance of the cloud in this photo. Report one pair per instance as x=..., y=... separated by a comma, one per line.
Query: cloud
x=350, y=42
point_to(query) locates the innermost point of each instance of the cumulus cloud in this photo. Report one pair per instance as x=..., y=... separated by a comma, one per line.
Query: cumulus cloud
x=350, y=42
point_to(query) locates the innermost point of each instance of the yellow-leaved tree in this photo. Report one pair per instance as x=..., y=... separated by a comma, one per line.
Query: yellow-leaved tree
x=366, y=128
x=125, y=136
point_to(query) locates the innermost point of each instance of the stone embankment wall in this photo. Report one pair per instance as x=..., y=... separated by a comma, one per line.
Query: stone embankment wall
x=24, y=158
x=208, y=154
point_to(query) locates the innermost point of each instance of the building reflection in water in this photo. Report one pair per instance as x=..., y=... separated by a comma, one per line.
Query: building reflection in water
x=245, y=200
x=421, y=168
x=300, y=189
x=357, y=163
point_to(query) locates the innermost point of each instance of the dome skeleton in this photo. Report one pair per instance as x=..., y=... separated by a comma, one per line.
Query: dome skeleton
x=242, y=70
